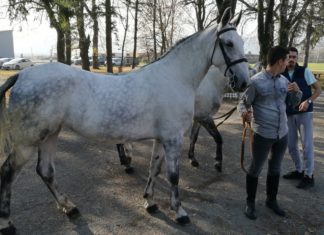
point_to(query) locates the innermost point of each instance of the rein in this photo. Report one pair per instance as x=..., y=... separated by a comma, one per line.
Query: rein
x=247, y=127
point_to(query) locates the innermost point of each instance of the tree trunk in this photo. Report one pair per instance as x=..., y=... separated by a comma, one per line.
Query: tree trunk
x=162, y=30
x=84, y=42
x=108, y=36
x=60, y=45
x=309, y=31
x=200, y=14
x=265, y=29
x=68, y=44
x=222, y=5
x=135, y=35
x=95, y=51
x=284, y=25
x=125, y=34
x=154, y=33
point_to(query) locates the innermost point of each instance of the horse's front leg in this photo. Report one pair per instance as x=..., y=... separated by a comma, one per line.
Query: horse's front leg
x=172, y=149
x=210, y=126
x=193, y=139
x=155, y=169
x=125, y=156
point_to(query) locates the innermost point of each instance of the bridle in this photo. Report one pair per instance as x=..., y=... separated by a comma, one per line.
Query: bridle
x=228, y=61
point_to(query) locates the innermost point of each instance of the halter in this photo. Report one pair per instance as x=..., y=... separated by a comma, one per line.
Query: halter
x=228, y=61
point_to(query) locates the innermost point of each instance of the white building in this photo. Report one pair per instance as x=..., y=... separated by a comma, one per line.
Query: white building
x=6, y=44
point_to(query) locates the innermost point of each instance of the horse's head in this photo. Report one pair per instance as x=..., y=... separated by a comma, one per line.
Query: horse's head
x=228, y=52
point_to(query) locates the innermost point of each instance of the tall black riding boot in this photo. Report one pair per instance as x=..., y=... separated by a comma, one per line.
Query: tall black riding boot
x=251, y=188
x=272, y=190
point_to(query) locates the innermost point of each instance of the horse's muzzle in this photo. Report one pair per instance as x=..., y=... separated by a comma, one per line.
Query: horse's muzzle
x=236, y=85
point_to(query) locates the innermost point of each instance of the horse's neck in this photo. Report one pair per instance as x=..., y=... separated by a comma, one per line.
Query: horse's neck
x=221, y=84
x=190, y=60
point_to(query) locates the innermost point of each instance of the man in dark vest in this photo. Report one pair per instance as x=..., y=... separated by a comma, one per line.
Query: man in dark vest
x=300, y=119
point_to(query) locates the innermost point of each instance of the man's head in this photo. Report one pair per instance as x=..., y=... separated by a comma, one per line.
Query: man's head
x=278, y=56
x=293, y=57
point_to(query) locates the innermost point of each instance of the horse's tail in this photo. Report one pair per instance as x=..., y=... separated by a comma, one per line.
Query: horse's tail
x=4, y=121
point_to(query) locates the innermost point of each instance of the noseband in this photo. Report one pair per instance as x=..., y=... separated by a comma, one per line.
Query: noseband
x=228, y=61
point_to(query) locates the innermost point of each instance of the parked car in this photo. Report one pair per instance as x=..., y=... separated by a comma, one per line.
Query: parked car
x=4, y=60
x=18, y=63
x=116, y=61
x=77, y=61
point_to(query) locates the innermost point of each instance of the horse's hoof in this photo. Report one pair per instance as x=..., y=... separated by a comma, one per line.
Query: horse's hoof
x=11, y=230
x=129, y=170
x=183, y=220
x=74, y=213
x=218, y=167
x=194, y=163
x=152, y=209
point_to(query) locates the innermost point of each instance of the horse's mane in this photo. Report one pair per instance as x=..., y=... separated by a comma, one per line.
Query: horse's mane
x=173, y=47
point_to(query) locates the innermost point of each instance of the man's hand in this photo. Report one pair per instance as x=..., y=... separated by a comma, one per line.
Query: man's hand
x=303, y=106
x=292, y=86
x=247, y=116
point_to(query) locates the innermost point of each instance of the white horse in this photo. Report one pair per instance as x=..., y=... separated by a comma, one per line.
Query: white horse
x=155, y=102
x=208, y=100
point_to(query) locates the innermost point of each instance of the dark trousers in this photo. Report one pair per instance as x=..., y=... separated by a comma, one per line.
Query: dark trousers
x=261, y=147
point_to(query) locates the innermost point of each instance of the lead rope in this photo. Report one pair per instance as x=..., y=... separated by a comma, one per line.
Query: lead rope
x=226, y=115
x=247, y=127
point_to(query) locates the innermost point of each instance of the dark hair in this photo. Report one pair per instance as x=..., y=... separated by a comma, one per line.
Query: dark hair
x=277, y=53
x=293, y=49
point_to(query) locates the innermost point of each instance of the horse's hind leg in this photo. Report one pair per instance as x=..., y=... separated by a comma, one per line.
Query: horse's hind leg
x=172, y=149
x=193, y=139
x=9, y=171
x=210, y=126
x=125, y=156
x=155, y=169
x=46, y=170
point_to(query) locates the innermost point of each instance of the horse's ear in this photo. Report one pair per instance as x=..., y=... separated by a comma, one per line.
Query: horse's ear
x=236, y=20
x=227, y=15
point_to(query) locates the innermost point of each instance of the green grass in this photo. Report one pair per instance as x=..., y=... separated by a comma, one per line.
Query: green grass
x=316, y=66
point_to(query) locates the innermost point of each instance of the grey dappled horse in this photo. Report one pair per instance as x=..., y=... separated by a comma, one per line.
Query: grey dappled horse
x=154, y=102
x=208, y=100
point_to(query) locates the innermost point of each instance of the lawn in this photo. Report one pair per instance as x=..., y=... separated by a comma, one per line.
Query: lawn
x=316, y=67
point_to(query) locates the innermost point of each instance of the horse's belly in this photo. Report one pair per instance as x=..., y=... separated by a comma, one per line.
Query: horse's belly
x=115, y=130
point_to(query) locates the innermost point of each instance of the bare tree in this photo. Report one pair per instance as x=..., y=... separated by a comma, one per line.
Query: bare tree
x=94, y=14
x=205, y=11
x=265, y=20
x=59, y=14
x=314, y=27
x=289, y=15
x=154, y=31
x=135, y=34
x=125, y=23
x=108, y=16
x=84, y=41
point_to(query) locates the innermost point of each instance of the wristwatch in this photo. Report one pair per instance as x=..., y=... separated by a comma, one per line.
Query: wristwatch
x=309, y=101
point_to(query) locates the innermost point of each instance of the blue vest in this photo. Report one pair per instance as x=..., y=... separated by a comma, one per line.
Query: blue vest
x=299, y=78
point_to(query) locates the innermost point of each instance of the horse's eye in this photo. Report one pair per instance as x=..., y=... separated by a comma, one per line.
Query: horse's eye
x=229, y=44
